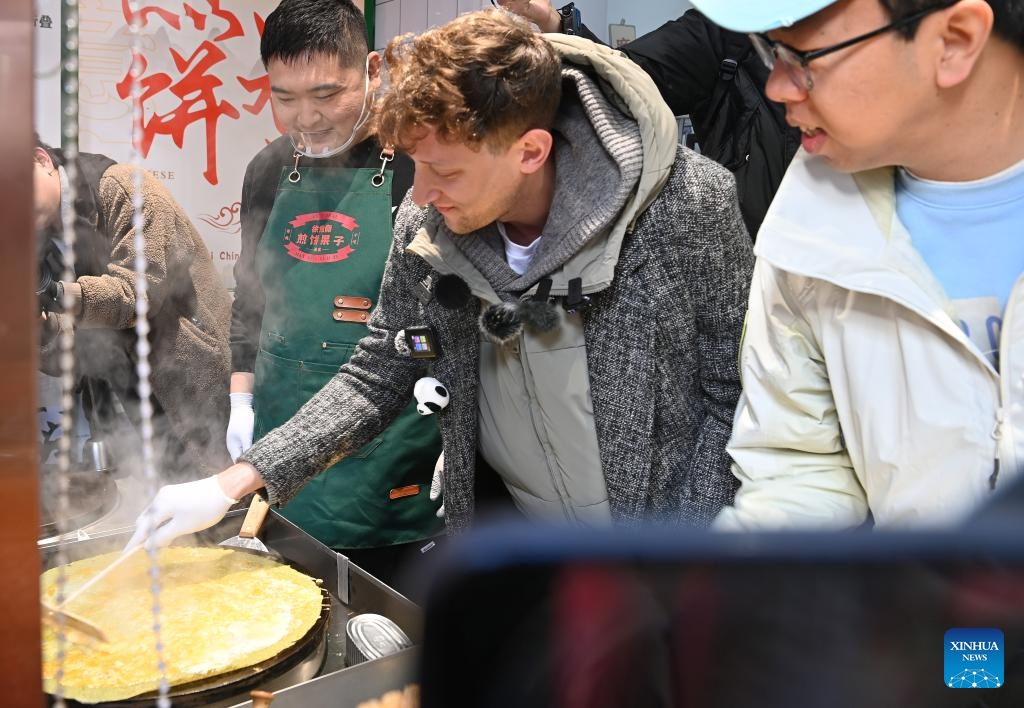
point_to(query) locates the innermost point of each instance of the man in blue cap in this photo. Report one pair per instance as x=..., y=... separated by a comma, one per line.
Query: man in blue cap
x=882, y=377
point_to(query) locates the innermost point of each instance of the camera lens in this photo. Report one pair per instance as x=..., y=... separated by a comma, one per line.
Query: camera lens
x=45, y=279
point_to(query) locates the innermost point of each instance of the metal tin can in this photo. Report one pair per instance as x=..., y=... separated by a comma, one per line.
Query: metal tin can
x=369, y=636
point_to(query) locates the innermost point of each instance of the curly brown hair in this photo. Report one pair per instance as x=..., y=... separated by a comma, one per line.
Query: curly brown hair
x=484, y=78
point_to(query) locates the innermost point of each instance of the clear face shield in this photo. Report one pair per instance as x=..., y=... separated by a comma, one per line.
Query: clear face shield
x=327, y=143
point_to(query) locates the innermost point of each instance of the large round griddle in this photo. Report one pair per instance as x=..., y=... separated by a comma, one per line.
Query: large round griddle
x=303, y=659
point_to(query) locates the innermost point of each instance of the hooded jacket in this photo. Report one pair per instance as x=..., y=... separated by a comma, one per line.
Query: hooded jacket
x=861, y=393
x=655, y=235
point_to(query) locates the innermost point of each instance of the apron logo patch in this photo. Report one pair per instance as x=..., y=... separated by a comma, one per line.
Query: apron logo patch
x=321, y=237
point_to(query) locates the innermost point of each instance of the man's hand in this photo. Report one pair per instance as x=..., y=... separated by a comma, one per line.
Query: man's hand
x=240, y=424
x=179, y=509
x=437, y=484
x=539, y=12
x=49, y=323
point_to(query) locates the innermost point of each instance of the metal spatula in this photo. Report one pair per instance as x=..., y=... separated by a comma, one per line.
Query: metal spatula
x=251, y=524
x=99, y=576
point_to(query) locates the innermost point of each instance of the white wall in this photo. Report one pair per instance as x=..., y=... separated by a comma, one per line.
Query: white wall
x=396, y=17
x=646, y=16
x=594, y=14
x=47, y=94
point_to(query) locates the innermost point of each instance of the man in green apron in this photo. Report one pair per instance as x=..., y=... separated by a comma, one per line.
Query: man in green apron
x=316, y=214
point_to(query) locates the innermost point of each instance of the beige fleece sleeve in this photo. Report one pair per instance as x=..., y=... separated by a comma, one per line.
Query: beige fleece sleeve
x=108, y=300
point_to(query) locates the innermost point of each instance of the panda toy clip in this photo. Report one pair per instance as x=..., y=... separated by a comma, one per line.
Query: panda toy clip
x=431, y=395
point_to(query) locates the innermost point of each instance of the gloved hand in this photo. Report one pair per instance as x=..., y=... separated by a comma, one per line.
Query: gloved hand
x=240, y=424
x=182, y=508
x=437, y=484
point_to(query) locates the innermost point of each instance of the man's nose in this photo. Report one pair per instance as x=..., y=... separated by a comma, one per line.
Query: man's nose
x=423, y=193
x=308, y=117
x=781, y=88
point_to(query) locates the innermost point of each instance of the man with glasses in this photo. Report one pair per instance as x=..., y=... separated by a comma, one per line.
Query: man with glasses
x=881, y=377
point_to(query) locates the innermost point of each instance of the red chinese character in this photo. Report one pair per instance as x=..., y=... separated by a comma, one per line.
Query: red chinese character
x=199, y=20
x=260, y=85
x=196, y=91
x=195, y=83
x=144, y=13
x=338, y=240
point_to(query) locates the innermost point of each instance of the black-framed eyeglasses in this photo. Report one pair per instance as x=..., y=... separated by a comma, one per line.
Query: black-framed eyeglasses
x=795, y=62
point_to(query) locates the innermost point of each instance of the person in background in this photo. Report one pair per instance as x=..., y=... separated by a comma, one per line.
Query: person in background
x=572, y=277
x=715, y=77
x=317, y=206
x=881, y=369
x=189, y=310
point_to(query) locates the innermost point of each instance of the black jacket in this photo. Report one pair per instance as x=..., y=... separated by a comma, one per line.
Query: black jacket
x=737, y=126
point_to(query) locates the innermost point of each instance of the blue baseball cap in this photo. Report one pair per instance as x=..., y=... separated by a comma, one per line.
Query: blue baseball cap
x=759, y=16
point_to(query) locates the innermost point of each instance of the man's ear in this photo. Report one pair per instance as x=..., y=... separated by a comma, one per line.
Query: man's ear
x=373, y=70
x=965, y=30
x=43, y=158
x=534, y=149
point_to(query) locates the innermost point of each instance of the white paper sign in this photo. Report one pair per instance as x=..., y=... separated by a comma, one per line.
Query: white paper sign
x=205, y=98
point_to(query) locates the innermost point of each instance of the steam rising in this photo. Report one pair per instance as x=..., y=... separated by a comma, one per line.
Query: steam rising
x=189, y=319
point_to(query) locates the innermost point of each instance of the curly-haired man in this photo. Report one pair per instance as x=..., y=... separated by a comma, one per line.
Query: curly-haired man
x=579, y=278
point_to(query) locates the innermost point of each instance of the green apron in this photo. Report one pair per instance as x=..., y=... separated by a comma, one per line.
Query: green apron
x=328, y=236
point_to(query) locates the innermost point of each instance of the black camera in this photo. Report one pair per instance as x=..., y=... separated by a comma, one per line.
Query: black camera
x=570, y=19
x=49, y=289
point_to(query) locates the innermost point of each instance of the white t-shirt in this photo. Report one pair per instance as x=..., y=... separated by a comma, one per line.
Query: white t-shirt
x=518, y=257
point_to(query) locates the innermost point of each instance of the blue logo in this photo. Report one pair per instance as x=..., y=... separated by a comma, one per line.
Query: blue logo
x=974, y=658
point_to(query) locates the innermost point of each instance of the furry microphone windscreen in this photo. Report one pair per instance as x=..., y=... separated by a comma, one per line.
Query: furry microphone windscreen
x=501, y=322
x=451, y=292
x=538, y=315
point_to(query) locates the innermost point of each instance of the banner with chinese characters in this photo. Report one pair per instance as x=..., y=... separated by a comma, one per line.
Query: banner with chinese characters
x=205, y=99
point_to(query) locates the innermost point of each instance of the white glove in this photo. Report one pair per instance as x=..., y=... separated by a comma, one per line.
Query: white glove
x=240, y=424
x=437, y=484
x=186, y=508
